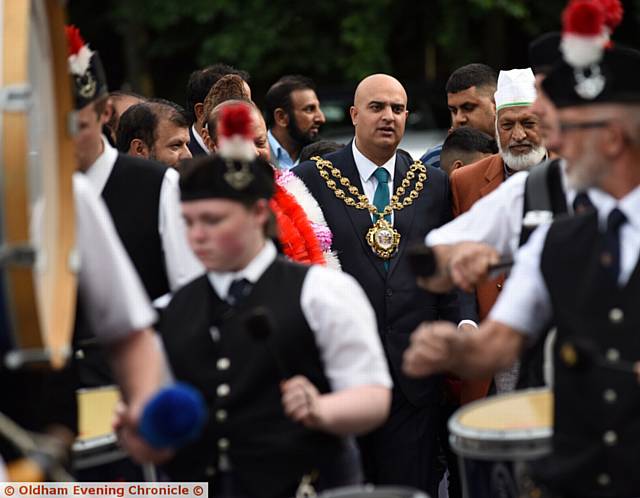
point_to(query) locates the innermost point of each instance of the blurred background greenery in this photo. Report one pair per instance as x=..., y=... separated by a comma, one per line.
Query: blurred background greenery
x=151, y=46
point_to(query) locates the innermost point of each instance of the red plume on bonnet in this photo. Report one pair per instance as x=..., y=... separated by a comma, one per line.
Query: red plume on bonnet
x=74, y=39
x=235, y=119
x=235, y=133
x=584, y=33
x=613, y=12
x=583, y=17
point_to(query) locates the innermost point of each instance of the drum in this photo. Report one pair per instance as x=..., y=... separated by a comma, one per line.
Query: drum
x=370, y=491
x=96, y=444
x=494, y=436
x=37, y=283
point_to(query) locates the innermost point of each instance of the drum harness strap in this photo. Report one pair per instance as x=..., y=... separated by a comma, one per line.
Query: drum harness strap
x=544, y=200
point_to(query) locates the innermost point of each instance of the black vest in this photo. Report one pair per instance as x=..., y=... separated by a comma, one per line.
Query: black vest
x=208, y=346
x=132, y=195
x=597, y=411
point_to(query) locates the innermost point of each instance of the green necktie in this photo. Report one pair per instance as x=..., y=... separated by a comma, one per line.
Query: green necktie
x=381, y=198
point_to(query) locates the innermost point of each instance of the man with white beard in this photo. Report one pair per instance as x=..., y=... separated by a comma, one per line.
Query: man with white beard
x=465, y=247
x=520, y=145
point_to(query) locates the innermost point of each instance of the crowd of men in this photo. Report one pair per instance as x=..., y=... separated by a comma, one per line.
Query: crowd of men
x=280, y=270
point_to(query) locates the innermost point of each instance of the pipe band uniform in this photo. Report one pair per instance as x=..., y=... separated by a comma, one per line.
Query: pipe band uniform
x=263, y=339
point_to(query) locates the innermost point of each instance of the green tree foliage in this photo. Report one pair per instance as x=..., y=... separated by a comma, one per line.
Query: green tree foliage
x=334, y=41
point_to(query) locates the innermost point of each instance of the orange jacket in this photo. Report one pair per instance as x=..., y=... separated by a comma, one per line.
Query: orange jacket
x=468, y=185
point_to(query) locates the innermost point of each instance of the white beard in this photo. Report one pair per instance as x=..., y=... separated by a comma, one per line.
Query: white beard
x=521, y=162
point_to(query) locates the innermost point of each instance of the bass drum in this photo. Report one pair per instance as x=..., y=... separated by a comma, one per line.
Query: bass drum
x=37, y=281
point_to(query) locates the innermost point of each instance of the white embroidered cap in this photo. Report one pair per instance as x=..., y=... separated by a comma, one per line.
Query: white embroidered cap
x=515, y=88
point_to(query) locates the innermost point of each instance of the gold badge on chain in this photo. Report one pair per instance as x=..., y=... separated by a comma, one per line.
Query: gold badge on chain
x=383, y=239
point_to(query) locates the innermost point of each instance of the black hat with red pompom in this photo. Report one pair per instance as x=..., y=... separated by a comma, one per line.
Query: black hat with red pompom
x=593, y=69
x=89, y=80
x=234, y=171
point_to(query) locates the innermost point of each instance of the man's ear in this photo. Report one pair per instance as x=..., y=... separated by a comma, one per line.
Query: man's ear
x=106, y=115
x=280, y=117
x=138, y=148
x=198, y=109
x=456, y=164
x=353, y=112
x=206, y=138
x=614, y=140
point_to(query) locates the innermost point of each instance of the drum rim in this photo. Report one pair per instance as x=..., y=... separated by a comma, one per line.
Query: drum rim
x=529, y=449
x=372, y=490
x=459, y=433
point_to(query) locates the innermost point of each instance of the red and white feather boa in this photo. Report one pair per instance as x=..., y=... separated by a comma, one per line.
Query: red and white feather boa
x=303, y=231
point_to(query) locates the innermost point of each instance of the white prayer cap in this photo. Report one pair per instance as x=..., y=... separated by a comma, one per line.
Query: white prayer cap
x=515, y=88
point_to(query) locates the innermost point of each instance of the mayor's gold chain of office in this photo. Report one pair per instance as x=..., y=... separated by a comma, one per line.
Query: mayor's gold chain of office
x=382, y=237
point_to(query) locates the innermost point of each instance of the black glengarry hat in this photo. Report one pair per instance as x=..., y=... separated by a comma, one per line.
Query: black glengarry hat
x=619, y=71
x=234, y=172
x=544, y=52
x=85, y=66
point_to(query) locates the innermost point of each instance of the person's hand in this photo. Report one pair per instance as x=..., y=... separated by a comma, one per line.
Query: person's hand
x=430, y=349
x=636, y=370
x=125, y=425
x=301, y=401
x=469, y=264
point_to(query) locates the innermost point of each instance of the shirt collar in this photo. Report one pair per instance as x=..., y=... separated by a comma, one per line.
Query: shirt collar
x=605, y=203
x=99, y=172
x=199, y=139
x=282, y=157
x=221, y=281
x=366, y=167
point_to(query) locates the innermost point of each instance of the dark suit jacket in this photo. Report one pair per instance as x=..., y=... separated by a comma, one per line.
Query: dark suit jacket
x=400, y=305
x=194, y=146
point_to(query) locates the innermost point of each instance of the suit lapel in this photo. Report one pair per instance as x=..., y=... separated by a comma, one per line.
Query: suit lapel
x=494, y=176
x=360, y=218
x=403, y=219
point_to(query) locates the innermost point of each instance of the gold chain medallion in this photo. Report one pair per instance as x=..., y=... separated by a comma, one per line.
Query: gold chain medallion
x=383, y=239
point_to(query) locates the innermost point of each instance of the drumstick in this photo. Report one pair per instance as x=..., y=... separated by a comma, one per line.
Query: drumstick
x=423, y=262
x=175, y=416
x=38, y=461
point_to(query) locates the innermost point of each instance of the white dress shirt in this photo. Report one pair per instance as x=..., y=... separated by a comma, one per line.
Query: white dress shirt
x=181, y=264
x=367, y=168
x=495, y=219
x=113, y=297
x=339, y=314
x=525, y=304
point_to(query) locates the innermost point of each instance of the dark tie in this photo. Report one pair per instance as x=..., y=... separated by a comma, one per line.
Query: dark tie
x=581, y=203
x=381, y=197
x=238, y=291
x=610, y=257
